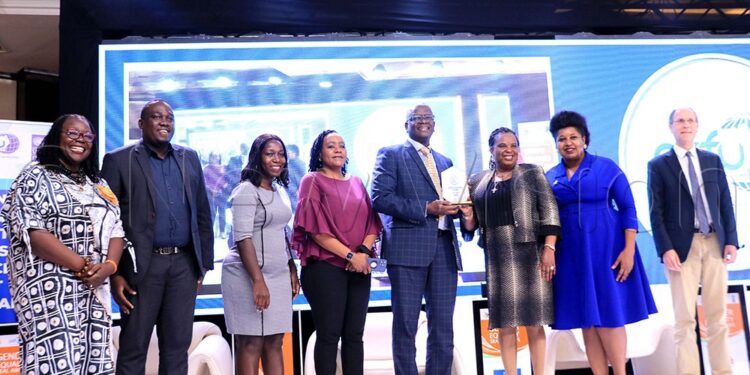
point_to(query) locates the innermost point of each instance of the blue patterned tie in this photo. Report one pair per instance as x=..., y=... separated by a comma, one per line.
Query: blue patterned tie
x=700, y=208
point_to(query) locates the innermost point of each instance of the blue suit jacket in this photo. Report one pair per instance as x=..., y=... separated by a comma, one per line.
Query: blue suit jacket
x=671, y=205
x=401, y=189
x=128, y=173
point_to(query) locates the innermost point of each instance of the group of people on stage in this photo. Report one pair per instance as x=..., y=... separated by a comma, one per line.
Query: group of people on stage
x=559, y=247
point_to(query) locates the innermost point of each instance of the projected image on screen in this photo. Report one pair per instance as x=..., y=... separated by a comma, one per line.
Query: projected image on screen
x=221, y=106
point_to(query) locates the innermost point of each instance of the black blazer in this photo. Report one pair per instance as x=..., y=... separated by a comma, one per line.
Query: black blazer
x=128, y=173
x=671, y=205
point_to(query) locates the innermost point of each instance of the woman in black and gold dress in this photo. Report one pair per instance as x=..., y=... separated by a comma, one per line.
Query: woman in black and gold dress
x=518, y=221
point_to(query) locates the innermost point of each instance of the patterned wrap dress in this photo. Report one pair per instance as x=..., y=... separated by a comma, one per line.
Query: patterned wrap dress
x=513, y=218
x=64, y=327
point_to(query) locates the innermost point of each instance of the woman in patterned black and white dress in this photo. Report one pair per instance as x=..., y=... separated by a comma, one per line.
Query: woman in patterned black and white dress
x=517, y=216
x=66, y=238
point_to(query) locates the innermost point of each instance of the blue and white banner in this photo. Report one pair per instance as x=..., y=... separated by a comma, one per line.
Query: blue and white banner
x=18, y=143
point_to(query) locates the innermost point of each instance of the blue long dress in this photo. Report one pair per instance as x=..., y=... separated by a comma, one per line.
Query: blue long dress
x=596, y=206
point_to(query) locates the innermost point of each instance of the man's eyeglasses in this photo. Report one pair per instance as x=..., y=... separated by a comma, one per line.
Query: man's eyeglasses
x=75, y=135
x=422, y=118
x=160, y=117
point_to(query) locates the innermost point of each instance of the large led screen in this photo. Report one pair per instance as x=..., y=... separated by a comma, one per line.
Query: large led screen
x=226, y=94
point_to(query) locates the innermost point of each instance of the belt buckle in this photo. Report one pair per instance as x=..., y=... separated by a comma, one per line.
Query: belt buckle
x=167, y=250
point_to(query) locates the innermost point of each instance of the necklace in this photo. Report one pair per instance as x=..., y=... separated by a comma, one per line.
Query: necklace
x=77, y=177
x=498, y=178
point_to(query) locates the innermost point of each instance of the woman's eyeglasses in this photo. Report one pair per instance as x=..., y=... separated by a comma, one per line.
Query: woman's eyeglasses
x=75, y=135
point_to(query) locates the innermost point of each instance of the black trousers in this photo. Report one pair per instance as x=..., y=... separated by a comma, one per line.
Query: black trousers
x=166, y=297
x=338, y=302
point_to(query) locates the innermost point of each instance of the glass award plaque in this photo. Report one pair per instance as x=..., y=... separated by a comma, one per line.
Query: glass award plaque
x=455, y=186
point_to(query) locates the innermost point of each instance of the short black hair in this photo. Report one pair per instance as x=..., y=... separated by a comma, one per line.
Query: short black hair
x=149, y=104
x=565, y=119
x=48, y=154
x=317, y=147
x=253, y=171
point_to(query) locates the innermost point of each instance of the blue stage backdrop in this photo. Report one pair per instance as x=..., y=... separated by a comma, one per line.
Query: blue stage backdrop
x=225, y=94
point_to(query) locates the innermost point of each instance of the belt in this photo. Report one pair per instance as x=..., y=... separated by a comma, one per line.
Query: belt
x=442, y=233
x=168, y=250
x=711, y=229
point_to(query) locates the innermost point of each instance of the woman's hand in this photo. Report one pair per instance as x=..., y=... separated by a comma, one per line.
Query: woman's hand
x=625, y=262
x=360, y=263
x=96, y=274
x=261, y=295
x=547, y=264
x=295, y=283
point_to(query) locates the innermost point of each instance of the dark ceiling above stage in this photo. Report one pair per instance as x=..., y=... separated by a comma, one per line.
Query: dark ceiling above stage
x=84, y=24
x=514, y=18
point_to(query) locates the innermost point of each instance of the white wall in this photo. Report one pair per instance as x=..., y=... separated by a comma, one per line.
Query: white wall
x=7, y=99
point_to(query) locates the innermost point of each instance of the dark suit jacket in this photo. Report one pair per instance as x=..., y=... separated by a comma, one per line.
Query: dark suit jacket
x=401, y=189
x=671, y=205
x=128, y=172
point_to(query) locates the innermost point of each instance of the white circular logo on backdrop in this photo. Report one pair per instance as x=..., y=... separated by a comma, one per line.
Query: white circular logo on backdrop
x=715, y=86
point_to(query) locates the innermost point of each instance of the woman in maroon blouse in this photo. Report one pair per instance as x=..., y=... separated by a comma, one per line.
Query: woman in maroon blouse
x=334, y=230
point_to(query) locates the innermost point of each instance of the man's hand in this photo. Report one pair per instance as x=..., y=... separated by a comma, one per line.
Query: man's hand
x=120, y=288
x=441, y=207
x=730, y=254
x=671, y=260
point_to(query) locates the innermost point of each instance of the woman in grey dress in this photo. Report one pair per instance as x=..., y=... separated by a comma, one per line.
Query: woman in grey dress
x=259, y=278
x=518, y=221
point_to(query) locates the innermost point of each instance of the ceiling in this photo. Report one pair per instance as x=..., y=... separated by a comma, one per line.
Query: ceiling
x=29, y=35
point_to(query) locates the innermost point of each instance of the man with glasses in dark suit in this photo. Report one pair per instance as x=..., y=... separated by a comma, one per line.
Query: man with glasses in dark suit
x=695, y=234
x=419, y=243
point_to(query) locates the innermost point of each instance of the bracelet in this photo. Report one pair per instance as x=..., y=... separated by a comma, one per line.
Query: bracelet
x=86, y=264
x=551, y=247
x=112, y=262
x=364, y=249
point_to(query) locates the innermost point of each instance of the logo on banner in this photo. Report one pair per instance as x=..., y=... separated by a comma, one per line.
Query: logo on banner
x=36, y=141
x=8, y=143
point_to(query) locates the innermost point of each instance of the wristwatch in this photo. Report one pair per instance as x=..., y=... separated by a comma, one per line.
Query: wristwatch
x=349, y=256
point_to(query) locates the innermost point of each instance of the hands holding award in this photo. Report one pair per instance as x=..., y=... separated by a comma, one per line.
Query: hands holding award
x=455, y=195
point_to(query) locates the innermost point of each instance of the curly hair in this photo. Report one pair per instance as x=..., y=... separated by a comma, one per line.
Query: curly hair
x=254, y=171
x=48, y=154
x=565, y=119
x=317, y=147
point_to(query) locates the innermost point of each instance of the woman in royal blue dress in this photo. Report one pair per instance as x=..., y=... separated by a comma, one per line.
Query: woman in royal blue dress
x=600, y=284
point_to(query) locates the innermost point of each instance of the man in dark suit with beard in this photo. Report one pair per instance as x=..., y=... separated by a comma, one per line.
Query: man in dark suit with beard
x=165, y=214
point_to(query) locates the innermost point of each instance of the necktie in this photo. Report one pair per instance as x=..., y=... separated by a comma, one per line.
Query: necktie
x=429, y=163
x=700, y=207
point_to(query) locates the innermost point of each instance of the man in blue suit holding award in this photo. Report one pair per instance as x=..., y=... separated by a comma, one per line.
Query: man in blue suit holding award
x=419, y=243
x=696, y=237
